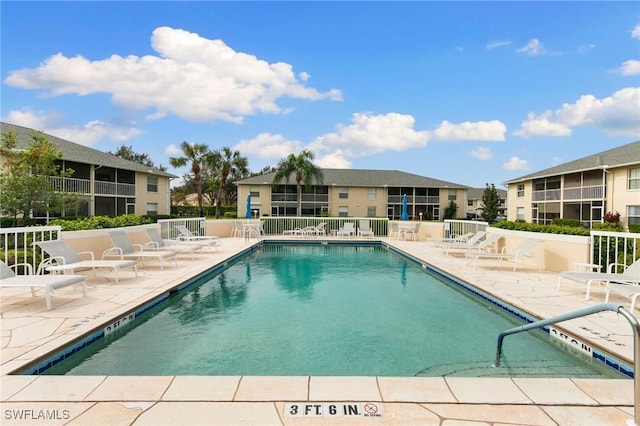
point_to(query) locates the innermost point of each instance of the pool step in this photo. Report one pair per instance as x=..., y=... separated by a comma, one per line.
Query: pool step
x=506, y=369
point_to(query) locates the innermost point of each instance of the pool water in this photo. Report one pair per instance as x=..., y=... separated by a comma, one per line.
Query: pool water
x=326, y=311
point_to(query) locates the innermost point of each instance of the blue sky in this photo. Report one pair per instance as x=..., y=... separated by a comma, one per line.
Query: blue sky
x=467, y=92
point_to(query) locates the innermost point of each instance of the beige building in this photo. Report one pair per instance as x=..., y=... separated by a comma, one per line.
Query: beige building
x=584, y=189
x=105, y=184
x=355, y=193
x=474, y=203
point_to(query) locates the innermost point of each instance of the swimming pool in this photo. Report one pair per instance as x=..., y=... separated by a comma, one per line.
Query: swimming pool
x=324, y=310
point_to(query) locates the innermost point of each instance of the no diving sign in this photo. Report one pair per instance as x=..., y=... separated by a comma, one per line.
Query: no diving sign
x=332, y=409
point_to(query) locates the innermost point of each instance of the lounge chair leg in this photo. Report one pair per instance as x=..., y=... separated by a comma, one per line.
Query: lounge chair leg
x=47, y=296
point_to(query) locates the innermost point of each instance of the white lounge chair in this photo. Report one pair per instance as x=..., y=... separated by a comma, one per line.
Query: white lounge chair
x=64, y=259
x=364, y=228
x=631, y=291
x=47, y=283
x=317, y=230
x=521, y=252
x=211, y=241
x=484, y=246
x=471, y=243
x=348, y=230
x=159, y=243
x=124, y=249
x=630, y=275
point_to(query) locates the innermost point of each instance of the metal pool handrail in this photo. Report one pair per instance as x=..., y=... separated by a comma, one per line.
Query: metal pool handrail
x=581, y=313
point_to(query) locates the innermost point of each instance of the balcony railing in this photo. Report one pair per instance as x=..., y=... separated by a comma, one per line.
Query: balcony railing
x=113, y=188
x=83, y=186
x=578, y=193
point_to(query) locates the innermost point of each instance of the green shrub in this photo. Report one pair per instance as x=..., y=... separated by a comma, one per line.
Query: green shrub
x=534, y=227
x=101, y=222
x=634, y=227
x=566, y=222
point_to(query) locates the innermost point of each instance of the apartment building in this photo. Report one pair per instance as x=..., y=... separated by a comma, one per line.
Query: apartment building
x=355, y=193
x=104, y=184
x=584, y=189
x=474, y=203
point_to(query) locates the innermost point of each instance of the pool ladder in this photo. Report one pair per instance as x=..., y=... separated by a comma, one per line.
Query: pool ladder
x=581, y=313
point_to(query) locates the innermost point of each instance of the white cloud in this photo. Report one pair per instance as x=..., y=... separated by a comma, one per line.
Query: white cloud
x=470, y=131
x=540, y=125
x=172, y=150
x=372, y=134
x=533, y=48
x=86, y=134
x=334, y=160
x=515, y=163
x=496, y=44
x=482, y=153
x=635, y=33
x=616, y=115
x=267, y=145
x=630, y=67
x=191, y=77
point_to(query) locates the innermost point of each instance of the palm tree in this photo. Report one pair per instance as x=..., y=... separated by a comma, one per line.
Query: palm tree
x=228, y=162
x=304, y=170
x=195, y=154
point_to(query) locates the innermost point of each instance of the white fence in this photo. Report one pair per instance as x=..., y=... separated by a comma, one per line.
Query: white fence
x=614, y=247
x=454, y=228
x=168, y=226
x=17, y=243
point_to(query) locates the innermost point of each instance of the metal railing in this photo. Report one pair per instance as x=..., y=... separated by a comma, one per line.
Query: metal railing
x=614, y=247
x=168, y=226
x=454, y=227
x=581, y=313
x=277, y=225
x=73, y=185
x=594, y=192
x=17, y=243
x=114, y=188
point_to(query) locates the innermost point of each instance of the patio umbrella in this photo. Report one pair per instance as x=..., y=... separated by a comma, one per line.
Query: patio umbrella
x=247, y=215
x=405, y=214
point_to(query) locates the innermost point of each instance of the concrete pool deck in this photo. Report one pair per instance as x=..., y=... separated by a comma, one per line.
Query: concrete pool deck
x=29, y=331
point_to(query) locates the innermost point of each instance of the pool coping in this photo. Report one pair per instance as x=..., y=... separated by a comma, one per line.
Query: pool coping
x=255, y=399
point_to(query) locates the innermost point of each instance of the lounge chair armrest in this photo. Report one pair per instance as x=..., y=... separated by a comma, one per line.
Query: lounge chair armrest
x=90, y=253
x=113, y=251
x=151, y=244
x=138, y=247
x=27, y=266
x=614, y=265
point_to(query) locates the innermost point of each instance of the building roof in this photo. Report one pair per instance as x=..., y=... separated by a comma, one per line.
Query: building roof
x=366, y=178
x=621, y=156
x=476, y=193
x=72, y=151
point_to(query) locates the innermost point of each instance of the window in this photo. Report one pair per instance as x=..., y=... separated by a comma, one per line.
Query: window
x=152, y=183
x=371, y=211
x=521, y=190
x=371, y=193
x=634, y=178
x=520, y=213
x=254, y=191
x=152, y=209
x=452, y=195
x=343, y=211
x=633, y=214
x=344, y=193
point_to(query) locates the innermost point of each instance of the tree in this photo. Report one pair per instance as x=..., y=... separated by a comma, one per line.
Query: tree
x=490, y=203
x=304, y=170
x=195, y=155
x=450, y=210
x=228, y=162
x=26, y=183
x=127, y=153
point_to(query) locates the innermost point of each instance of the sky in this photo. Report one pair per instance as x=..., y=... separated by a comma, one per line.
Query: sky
x=466, y=92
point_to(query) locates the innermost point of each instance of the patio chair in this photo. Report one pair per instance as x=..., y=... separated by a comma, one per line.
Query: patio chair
x=159, y=243
x=630, y=275
x=317, y=230
x=63, y=259
x=519, y=254
x=123, y=248
x=348, y=230
x=470, y=243
x=393, y=229
x=484, y=246
x=364, y=228
x=47, y=283
x=212, y=241
x=631, y=291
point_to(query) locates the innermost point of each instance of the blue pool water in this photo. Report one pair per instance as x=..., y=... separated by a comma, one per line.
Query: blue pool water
x=325, y=310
